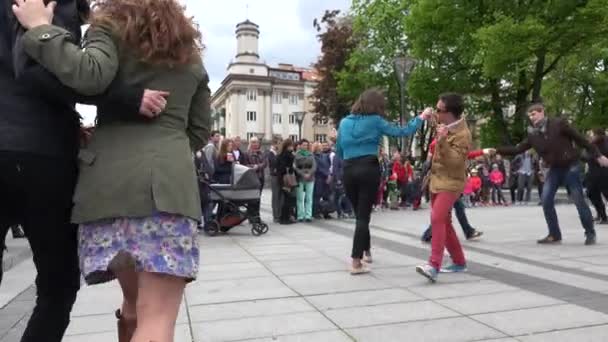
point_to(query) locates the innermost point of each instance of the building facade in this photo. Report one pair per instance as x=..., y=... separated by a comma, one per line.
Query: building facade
x=255, y=99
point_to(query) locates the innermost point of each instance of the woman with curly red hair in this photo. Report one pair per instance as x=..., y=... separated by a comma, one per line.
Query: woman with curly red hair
x=136, y=200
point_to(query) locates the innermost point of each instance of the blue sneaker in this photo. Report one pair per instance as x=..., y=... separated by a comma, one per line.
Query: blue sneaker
x=453, y=268
x=428, y=272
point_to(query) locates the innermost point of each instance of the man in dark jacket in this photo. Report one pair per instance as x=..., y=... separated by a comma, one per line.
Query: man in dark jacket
x=597, y=177
x=39, y=143
x=322, y=189
x=554, y=140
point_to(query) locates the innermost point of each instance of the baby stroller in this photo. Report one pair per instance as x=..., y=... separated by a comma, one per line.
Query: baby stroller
x=235, y=201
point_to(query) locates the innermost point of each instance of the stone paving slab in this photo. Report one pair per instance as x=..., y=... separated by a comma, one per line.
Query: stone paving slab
x=590, y=334
x=362, y=298
x=452, y=329
x=332, y=282
x=223, y=291
x=503, y=301
x=250, y=309
x=322, y=336
x=382, y=314
x=538, y=320
x=258, y=327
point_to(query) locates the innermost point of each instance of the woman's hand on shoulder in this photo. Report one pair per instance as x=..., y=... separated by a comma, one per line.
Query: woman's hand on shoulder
x=153, y=103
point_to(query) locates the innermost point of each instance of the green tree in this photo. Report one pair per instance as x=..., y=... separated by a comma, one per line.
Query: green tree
x=337, y=43
x=499, y=53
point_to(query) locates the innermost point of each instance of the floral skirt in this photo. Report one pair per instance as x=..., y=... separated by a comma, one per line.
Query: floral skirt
x=163, y=243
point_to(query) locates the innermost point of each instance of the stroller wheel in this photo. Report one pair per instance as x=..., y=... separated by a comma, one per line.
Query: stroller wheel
x=212, y=228
x=264, y=228
x=256, y=231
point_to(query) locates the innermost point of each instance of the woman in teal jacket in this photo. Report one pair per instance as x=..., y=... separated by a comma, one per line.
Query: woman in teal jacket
x=359, y=136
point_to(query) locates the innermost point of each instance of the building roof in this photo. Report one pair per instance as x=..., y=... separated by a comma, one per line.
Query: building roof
x=247, y=22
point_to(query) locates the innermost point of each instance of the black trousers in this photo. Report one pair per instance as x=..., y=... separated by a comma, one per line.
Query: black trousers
x=37, y=193
x=361, y=182
x=595, y=192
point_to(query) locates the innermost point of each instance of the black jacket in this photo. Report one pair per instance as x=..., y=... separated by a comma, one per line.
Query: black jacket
x=554, y=142
x=597, y=175
x=37, y=112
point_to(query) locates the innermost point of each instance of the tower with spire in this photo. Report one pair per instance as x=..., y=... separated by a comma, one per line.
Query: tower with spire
x=247, y=60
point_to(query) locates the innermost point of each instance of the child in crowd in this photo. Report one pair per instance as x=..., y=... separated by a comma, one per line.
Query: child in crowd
x=475, y=184
x=486, y=185
x=394, y=193
x=497, y=179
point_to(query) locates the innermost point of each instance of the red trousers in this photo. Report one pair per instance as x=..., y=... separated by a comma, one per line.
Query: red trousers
x=443, y=232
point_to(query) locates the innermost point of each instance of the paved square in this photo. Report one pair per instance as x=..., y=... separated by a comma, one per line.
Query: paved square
x=292, y=284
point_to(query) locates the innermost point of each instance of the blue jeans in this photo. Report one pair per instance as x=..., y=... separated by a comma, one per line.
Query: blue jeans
x=305, y=192
x=569, y=177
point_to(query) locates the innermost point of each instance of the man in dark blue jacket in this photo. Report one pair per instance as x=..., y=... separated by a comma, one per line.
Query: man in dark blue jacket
x=39, y=144
x=322, y=190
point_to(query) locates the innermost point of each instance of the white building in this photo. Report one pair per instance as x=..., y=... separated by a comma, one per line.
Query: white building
x=258, y=100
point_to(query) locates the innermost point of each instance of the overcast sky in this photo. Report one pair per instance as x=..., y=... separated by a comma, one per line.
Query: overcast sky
x=286, y=31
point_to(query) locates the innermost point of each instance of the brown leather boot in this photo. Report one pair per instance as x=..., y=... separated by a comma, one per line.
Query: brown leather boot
x=126, y=327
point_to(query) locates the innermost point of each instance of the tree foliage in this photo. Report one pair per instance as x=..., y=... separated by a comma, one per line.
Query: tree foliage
x=501, y=54
x=337, y=43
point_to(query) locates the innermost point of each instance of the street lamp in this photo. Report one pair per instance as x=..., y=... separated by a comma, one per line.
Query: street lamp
x=403, y=66
x=299, y=119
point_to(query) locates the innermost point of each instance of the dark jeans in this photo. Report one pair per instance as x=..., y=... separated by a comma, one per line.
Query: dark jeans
x=320, y=192
x=4, y=228
x=253, y=208
x=275, y=186
x=37, y=193
x=524, y=180
x=206, y=204
x=497, y=196
x=513, y=191
x=343, y=205
x=569, y=177
x=288, y=205
x=361, y=181
x=595, y=192
x=461, y=215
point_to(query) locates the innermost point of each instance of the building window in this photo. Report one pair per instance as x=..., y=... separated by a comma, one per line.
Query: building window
x=276, y=118
x=251, y=116
x=321, y=121
x=285, y=95
x=276, y=98
x=292, y=119
x=294, y=137
x=252, y=95
x=293, y=99
x=321, y=138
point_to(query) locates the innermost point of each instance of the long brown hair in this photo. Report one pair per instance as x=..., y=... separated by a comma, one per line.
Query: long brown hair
x=370, y=102
x=286, y=144
x=224, y=149
x=157, y=30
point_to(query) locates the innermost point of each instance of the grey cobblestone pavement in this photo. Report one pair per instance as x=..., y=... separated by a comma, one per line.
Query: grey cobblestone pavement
x=293, y=285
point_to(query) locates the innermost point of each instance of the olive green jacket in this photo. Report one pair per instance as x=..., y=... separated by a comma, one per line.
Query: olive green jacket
x=448, y=169
x=133, y=166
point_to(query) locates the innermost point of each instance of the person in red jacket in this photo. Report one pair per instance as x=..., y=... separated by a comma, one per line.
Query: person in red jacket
x=497, y=179
x=475, y=183
x=400, y=170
